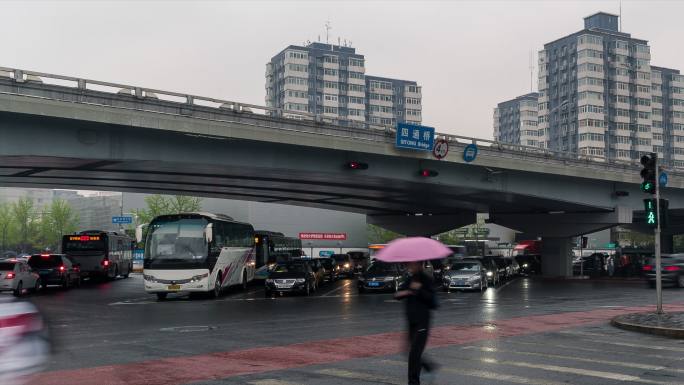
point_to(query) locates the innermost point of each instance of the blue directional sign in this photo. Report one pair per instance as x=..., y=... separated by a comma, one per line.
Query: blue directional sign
x=470, y=152
x=325, y=253
x=414, y=137
x=122, y=220
x=663, y=179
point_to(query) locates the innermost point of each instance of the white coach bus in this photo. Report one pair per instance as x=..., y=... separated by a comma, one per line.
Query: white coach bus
x=196, y=252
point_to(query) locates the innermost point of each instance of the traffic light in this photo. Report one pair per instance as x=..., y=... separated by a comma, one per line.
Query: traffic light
x=652, y=215
x=357, y=165
x=427, y=173
x=648, y=173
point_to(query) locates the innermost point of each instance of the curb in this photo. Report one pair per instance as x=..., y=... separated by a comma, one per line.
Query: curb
x=648, y=329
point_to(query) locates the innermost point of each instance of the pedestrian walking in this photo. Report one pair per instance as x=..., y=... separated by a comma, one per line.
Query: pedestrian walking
x=419, y=295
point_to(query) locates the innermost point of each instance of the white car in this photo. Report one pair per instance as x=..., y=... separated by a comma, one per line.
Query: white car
x=16, y=276
x=24, y=342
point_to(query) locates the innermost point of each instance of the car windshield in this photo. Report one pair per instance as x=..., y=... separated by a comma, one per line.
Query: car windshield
x=44, y=261
x=290, y=268
x=6, y=266
x=381, y=268
x=465, y=266
x=326, y=263
x=340, y=257
x=176, y=243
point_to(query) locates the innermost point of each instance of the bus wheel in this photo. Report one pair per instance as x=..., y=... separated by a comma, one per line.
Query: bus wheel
x=161, y=296
x=217, y=287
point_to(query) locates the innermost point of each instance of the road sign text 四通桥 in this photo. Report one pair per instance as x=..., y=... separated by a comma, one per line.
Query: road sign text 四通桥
x=414, y=137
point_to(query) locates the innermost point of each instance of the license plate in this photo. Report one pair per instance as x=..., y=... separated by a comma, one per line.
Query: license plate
x=284, y=286
x=373, y=284
x=174, y=287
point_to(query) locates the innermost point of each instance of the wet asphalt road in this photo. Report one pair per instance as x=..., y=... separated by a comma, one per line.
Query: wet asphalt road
x=116, y=323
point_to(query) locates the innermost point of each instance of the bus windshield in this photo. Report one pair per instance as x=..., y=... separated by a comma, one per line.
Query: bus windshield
x=176, y=244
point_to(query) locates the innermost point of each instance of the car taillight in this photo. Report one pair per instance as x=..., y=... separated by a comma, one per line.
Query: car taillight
x=648, y=268
x=105, y=263
x=62, y=268
x=671, y=268
x=9, y=276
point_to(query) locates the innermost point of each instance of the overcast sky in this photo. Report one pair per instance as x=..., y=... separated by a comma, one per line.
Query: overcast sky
x=467, y=55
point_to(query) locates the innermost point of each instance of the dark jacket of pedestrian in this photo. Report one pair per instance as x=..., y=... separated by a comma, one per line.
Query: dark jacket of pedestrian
x=423, y=300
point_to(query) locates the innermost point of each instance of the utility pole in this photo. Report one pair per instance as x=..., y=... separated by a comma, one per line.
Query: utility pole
x=659, y=283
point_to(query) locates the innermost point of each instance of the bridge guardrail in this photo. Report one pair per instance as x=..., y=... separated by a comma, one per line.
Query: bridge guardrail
x=382, y=132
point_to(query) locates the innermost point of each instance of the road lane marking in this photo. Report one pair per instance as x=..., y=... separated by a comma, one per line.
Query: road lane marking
x=504, y=285
x=581, y=359
x=602, y=350
x=340, y=373
x=271, y=381
x=576, y=371
x=346, y=284
x=489, y=375
x=626, y=344
x=178, y=370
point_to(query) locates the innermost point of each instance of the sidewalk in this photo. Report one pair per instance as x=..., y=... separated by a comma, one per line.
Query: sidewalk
x=668, y=324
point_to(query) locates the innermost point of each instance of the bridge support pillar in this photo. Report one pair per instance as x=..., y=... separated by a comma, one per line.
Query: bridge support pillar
x=557, y=256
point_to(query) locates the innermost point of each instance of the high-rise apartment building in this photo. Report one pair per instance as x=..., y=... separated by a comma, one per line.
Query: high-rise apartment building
x=515, y=121
x=331, y=81
x=599, y=96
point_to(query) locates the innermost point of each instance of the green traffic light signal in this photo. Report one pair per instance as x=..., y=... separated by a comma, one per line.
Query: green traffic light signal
x=648, y=187
x=651, y=214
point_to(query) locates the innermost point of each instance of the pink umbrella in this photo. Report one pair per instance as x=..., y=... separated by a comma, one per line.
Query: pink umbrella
x=413, y=249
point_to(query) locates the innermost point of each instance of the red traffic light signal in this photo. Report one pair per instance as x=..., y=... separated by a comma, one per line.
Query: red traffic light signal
x=428, y=173
x=357, y=165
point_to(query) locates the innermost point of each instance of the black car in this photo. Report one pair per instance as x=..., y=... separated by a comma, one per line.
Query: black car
x=529, y=264
x=344, y=264
x=592, y=265
x=329, y=268
x=671, y=270
x=291, y=277
x=382, y=276
x=56, y=269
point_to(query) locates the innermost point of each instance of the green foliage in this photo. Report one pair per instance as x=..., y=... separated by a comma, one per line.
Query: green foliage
x=25, y=228
x=450, y=238
x=163, y=205
x=377, y=234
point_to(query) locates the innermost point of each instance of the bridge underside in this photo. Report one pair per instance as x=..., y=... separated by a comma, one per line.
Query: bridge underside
x=62, y=153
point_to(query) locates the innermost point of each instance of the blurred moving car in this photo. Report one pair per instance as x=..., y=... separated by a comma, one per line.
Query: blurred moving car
x=344, y=264
x=466, y=274
x=56, y=269
x=529, y=263
x=24, y=343
x=671, y=270
x=382, y=276
x=293, y=276
x=17, y=276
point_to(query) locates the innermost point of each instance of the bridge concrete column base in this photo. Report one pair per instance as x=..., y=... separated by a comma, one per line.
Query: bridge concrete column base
x=557, y=256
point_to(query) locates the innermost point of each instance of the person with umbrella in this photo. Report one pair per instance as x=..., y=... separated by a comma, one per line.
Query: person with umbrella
x=418, y=293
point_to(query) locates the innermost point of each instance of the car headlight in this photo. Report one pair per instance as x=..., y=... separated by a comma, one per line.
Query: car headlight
x=390, y=278
x=346, y=265
x=524, y=265
x=361, y=278
x=149, y=278
x=474, y=279
x=301, y=280
x=269, y=281
x=489, y=274
x=198, y=278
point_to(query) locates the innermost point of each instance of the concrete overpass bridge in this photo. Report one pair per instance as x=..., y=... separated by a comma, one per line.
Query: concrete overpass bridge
x=64, y=132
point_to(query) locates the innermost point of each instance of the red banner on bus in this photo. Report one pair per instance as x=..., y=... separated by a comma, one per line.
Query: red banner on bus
x=324, y=236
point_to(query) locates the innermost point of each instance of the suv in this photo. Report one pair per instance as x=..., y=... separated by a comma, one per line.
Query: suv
x=293, y=277
x=56, y=269
x=16, y=275
x=344, y=264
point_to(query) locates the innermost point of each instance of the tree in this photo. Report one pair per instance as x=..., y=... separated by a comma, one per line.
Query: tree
x=162, y=205
x=25, y=217
x=451, y=237
x=377, y=234
x=58, y=219
x=7, y=226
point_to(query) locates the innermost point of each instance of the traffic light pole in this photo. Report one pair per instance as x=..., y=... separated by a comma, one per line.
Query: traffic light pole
x=659, y=283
